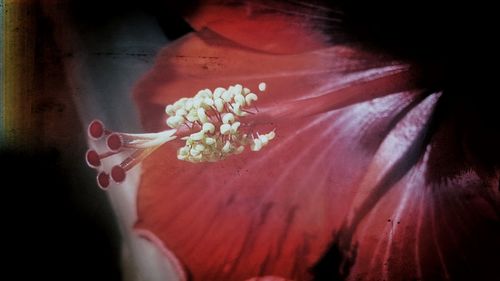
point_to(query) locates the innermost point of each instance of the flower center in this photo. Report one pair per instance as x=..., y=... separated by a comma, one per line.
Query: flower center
x=215, y=124
x=212, y=124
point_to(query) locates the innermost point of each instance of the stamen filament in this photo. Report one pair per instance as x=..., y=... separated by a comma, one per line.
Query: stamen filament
x=118, y=172
x=94, y=159
x=119, y=141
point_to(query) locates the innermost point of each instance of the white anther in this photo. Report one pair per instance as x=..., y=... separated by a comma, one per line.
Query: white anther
x=237, y=109
x=199, y=147
x=194, y=152
x=239, y=98
x=227, y=96
x=197, y=158
x=180, y=103
x=262, y=86
x=190, y=141
x=256, y=145
x=219, y=104
x=197, y=102
x=189, y=104
x=208, y=127
x=250, y=98
x=200, y=93
x=184, y=151
x=204, y=93
x=246, y=91
x=237, y=89
x=218, y=92
x=197, y=136
x=209, y=141
x=181, y=112
x=240, y=149
x=227, y=147
x=271, y=135
x=170, y=110
x=208, y=101
x=228, y=118
x=202, y=115
x=175, y=121
x=235, y=126
x=192, y=115
x=181, y=157
x=264, y=139
x=225, y=129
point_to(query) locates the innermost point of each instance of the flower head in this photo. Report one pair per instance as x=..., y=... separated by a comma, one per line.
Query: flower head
x=376, y=171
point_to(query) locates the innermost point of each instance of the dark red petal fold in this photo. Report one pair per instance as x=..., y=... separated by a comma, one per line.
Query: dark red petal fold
x=269, y=26
x=436, y=222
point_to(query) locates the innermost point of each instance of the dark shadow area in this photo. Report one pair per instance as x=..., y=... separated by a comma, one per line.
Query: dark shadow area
x=338, y=259
x=53, y=230
x=168, y=14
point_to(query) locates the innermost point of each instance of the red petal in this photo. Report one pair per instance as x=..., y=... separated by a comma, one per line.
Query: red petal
x=429, y=216
x=206, y=60
x=269, y=26
x=272, y=212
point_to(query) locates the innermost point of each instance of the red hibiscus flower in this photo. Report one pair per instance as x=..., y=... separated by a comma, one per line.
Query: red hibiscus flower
x=377, y=171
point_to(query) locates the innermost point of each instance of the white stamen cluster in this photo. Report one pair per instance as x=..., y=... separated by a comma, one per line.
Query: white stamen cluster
x=217, y=117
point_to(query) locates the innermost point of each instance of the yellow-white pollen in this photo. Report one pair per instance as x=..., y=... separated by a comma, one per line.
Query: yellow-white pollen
x=225, y=129
x=208, y=127
x=256, y=145
x=219, y=104
x=197, y=136
x=213, y=118
x=228, y=118
x=250, y=98
x=262, y=86
x=218, y=92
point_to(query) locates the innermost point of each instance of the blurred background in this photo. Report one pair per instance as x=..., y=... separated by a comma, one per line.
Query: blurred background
x=65, y=63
